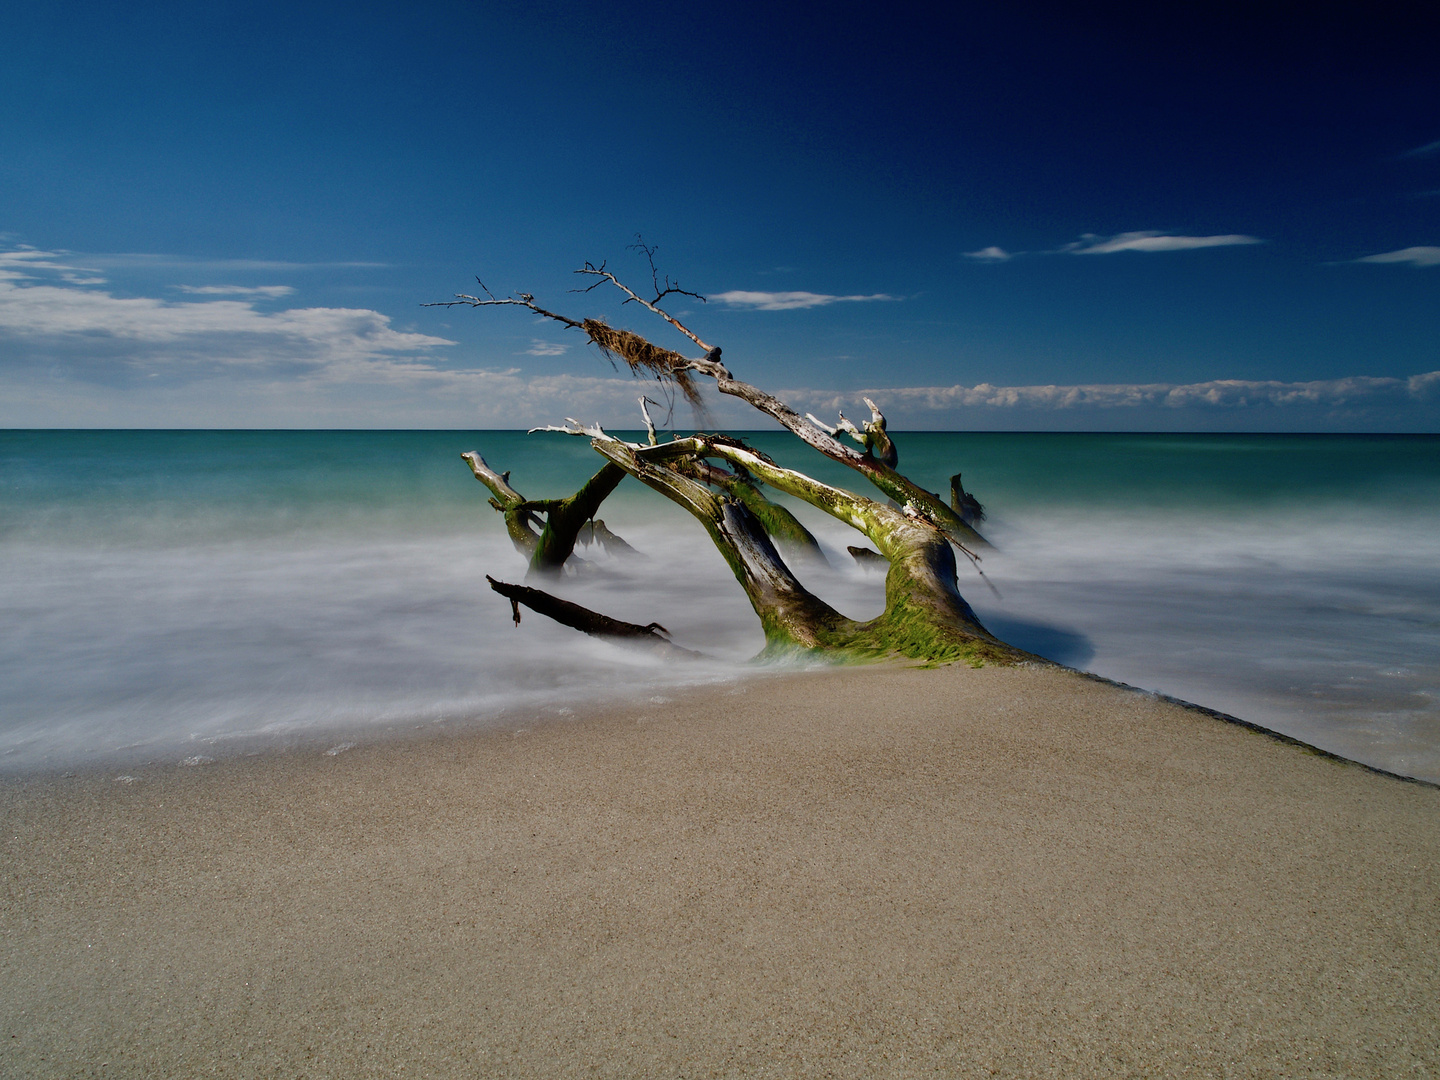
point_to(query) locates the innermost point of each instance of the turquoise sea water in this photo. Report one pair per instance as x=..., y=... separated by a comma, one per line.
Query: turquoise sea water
x=182, y=595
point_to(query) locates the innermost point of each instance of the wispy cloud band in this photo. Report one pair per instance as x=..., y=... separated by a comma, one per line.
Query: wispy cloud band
x=1414, y=256
x=46, y=305
x=788, y=301
x=269, y=291
x=1351, y=391
x=1147, y=240
x=1150, y=241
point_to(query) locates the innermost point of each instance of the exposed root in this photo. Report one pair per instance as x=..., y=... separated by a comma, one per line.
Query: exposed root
x=595, y=532
x=665, y=364
x=867, y=558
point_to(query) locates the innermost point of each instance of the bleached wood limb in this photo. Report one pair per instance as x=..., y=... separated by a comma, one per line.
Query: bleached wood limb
x=520, y=521
x=895, y=485
x=821, y=424
x=649, y=424
x=877, y=440
x=572, y=427
x=872, y=436
x=588, y=431
x=499, y=483
x=844, y=425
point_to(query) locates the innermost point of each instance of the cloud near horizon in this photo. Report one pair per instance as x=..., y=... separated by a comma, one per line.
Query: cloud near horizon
x=1355, y=390
x=1415, y=256
x=78, y=355
x=788, y=301
x=49, y=313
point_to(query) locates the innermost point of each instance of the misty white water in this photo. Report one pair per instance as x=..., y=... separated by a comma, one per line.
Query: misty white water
x=185, y=595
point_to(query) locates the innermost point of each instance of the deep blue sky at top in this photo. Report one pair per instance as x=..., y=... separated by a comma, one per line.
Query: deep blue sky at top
x=834, y=149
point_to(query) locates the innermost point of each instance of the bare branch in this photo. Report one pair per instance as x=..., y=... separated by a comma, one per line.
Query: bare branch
x=821, y=424
x=525, y=300
x=574, y=427
x=649, y=424
x=670, y=286
x=601, y=272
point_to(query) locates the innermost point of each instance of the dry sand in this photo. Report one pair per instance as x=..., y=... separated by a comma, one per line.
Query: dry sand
x=869, y=873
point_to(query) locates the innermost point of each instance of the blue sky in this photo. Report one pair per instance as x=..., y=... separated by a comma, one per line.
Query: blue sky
x=1121, y=218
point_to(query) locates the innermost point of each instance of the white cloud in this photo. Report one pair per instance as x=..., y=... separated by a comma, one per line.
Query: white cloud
x=28, y=264
x=1091, y=244
x=77, y=355
x=545, y=348
x=1357, y=390
x=1415, y=256
x=990, y=254
x=45, y=312
x=788, y=301
x=150, y=261
x=84, y=356
x=237, y=290
x=1421, y=151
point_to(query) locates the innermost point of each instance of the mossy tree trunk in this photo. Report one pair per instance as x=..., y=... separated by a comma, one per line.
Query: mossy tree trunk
x=552, y=546
x=717, y=479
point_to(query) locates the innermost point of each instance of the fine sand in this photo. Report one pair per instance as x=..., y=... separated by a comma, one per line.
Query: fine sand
x=867, y=873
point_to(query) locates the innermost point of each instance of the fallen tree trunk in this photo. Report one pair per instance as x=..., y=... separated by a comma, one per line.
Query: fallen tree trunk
x=917, y=533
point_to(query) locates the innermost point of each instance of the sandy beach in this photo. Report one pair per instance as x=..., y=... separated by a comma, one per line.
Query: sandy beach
x=875, y=872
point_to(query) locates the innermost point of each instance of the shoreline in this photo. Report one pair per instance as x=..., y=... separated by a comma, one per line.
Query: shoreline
x=877, y=871
x=345, y=738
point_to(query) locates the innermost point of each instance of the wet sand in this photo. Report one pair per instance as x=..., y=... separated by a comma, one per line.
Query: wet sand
x=867, y=873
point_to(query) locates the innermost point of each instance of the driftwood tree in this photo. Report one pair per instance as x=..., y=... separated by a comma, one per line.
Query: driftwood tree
x=719, y=480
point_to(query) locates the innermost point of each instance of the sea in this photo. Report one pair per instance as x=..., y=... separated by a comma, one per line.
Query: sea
x=185, y=596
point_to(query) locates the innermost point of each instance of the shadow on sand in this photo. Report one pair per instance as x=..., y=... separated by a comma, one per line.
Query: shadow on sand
x=1063, y=646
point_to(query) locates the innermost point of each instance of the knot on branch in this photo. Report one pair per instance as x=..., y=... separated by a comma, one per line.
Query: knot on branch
x=664, y=364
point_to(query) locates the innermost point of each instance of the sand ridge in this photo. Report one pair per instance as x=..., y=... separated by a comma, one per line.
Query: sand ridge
x=869, y=872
